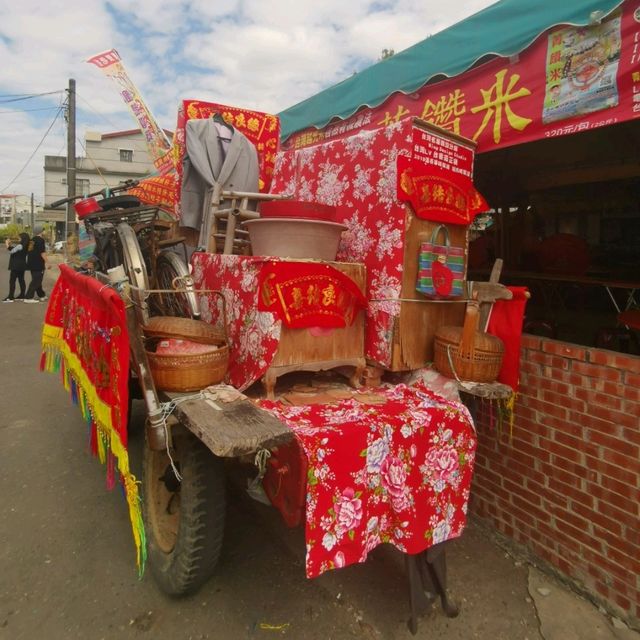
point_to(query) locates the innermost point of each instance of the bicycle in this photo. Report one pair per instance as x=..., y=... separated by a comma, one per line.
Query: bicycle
x=136, y=236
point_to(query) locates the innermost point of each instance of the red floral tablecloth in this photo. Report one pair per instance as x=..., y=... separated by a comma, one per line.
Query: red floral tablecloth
x=397, y=472
x=253, y=335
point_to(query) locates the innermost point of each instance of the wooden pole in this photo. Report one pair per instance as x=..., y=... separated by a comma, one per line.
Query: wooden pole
x=71, y=156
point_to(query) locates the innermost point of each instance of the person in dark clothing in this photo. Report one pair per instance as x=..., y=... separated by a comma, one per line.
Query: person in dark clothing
x=17, y=267
x=36, y=263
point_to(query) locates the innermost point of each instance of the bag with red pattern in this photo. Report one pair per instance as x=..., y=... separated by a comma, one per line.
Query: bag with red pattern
x=440, y=266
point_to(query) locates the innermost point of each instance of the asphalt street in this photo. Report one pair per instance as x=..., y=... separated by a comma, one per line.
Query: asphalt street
x=67, y=558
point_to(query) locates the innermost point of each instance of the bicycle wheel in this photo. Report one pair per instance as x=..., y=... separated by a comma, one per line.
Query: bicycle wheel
x=173, y=273
x=136, y=270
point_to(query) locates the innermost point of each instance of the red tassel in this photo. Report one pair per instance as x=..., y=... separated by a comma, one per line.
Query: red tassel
x=111, y=478
x=43, y=360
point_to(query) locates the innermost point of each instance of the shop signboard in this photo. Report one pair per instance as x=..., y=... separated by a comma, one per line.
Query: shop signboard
x=570, y=79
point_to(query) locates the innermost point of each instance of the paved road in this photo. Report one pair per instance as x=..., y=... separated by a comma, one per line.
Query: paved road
x=67, y=564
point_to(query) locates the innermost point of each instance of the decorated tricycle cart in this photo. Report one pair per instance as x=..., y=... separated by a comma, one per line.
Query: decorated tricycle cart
x=280, y=309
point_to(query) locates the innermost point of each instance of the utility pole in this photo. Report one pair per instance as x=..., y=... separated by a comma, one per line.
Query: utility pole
x=71, y=157
x=33, y=216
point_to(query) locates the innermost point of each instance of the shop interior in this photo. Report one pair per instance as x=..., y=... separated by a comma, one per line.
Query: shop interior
x=566, y=221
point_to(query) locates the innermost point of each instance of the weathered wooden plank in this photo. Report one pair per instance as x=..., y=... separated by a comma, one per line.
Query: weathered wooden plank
x=230, y=429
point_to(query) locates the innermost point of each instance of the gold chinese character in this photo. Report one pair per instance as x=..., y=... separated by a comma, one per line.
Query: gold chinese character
x=446, y=111
x=438, y=193
x=496, y=100
x=296, y=294
x=389, y=119
x=253, y=124
x=313, y=295
x=240, y=120
x=328, y=295
x=425, y=195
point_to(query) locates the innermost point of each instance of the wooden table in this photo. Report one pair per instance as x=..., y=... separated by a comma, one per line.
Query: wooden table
x=553, y=295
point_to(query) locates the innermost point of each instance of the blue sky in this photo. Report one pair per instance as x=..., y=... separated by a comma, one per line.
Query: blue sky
x=257, y=54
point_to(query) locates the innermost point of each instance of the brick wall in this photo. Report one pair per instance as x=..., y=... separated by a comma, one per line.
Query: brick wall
x=567, y=486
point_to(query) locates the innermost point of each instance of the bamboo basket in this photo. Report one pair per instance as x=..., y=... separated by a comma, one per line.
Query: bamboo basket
x=184, y=328
x=186, y=372
x=466, y=354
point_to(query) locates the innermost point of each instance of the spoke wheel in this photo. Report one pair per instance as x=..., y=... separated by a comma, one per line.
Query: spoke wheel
x=172, y=273
x=136, y=270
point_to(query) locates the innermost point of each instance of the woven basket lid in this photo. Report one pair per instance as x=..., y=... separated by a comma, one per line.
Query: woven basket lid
x=185, y=328
x=481, y=341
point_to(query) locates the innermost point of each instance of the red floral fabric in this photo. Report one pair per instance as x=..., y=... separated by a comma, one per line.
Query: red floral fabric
x=358, y=174
x=398, y=472
x=253, y=335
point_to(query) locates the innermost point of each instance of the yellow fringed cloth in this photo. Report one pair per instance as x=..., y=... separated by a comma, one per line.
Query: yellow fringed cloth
x=85, y=340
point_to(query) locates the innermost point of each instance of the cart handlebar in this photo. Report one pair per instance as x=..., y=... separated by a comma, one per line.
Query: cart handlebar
x=127, y=184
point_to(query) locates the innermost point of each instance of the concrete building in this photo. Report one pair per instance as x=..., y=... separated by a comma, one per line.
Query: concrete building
x=16, y=209
x=110, y=159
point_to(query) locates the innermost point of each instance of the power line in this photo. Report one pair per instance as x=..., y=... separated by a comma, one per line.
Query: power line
x=31, y=95
x=115, y=126
x=36, y=149
x=29, y=110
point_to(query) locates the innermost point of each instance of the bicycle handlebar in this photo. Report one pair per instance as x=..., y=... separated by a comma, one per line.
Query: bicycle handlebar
x=128, y=184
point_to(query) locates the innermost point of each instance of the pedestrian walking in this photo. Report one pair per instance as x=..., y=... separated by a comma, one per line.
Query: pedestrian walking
x=17, y=267
x=36, y=263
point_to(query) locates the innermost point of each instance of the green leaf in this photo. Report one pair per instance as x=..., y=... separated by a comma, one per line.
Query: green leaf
x=351, y=534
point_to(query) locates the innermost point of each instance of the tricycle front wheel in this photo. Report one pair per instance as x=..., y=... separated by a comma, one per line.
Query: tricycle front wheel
x=184, y=520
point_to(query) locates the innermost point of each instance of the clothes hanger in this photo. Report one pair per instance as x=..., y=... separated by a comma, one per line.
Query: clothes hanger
x=216, y=117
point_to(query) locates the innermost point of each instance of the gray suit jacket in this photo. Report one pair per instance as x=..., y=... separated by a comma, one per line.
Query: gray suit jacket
x=206, y=163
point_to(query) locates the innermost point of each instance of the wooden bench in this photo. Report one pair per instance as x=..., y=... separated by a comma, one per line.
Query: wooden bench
x=229, y=428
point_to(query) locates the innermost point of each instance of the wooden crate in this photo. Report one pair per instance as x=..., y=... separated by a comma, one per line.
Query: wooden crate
x=301, y=350
x=414, y=329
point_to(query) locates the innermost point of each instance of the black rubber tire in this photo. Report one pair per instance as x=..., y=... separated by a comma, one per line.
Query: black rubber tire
x=191, y=561
x=119, y=202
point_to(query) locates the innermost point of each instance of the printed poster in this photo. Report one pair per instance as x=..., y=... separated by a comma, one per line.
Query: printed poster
x=582, y=68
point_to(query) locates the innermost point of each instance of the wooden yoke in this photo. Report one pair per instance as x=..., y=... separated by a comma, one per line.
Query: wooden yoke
x=486, y=293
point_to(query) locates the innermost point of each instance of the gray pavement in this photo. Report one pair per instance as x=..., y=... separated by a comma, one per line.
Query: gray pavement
x=67, y=565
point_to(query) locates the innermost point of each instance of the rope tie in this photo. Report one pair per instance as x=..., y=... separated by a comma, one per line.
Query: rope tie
x=167, y=408
x=253, y=486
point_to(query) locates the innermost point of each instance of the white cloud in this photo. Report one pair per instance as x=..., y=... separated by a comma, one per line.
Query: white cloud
x=262, y=55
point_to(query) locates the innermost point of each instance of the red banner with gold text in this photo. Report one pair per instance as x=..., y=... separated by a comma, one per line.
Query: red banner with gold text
x=85, y=340
x=571, y=79
x=309, y=294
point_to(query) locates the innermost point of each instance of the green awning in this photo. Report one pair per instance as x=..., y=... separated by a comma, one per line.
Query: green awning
x=504, y=29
